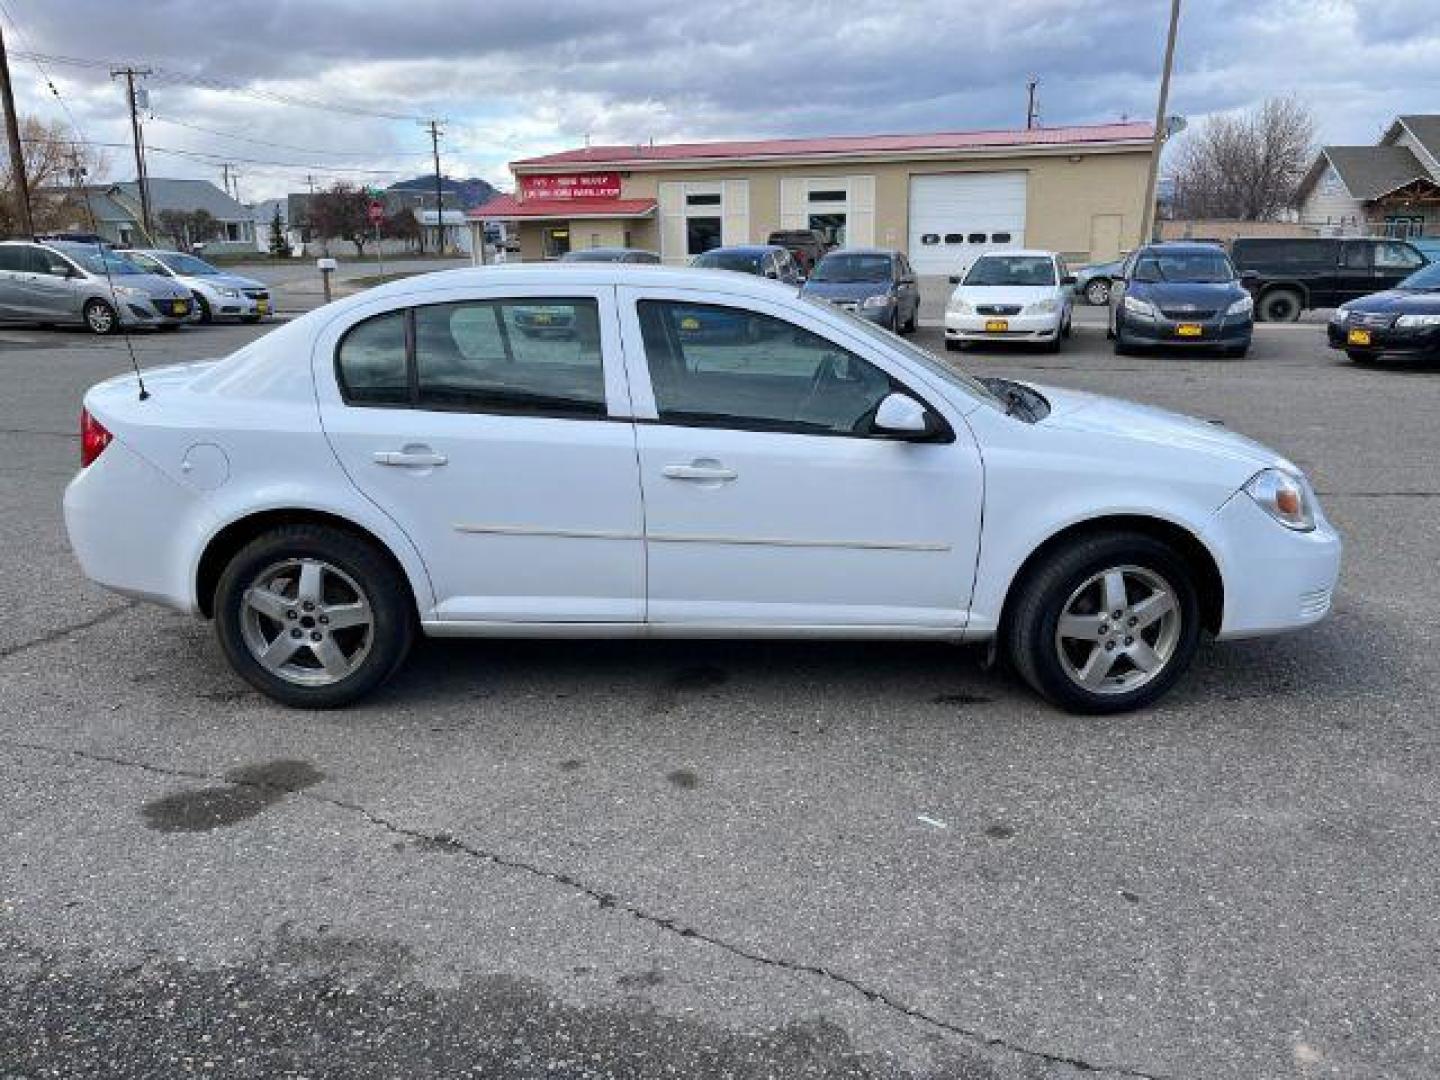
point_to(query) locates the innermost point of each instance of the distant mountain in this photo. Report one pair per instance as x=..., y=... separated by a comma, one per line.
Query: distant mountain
x=471, y=193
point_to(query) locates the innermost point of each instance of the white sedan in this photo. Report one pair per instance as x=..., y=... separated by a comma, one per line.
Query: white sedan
x=1017, y=296
x=706, y=454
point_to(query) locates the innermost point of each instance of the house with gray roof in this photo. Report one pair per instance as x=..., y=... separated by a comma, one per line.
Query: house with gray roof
x=1389, y=189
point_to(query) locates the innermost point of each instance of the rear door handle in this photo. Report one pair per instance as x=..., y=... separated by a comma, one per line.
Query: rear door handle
x=410, y=459
x=699, y=471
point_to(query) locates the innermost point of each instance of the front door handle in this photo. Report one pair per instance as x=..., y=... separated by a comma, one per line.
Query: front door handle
x=410, y=458
x=699, y=470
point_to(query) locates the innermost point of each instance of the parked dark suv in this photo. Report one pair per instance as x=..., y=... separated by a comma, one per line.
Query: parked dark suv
x=806, y=246
x=1295, y=274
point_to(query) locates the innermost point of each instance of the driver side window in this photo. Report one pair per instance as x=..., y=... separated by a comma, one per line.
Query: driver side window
x=714, y=366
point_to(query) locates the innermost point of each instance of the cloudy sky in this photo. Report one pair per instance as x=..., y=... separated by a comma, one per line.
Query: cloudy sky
x=519, y=77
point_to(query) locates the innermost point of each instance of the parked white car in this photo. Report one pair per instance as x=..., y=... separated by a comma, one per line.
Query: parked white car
x=404, y=460
x=1025, y=296
x=218, y=294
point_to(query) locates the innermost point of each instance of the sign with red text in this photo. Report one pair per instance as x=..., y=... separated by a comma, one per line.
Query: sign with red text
x=595, y=185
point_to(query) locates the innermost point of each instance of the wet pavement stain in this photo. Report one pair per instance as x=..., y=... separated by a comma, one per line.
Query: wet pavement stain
x=251, y=790
x=685, y=779
x=1000, y=831
x=570, y=764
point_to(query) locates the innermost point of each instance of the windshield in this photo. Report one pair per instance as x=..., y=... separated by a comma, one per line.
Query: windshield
x=186, y=264
x=91, y=259
x=928, y=360
x=747, y=262
x=1012, y=270
x=1189, y=267
x=1427, y=277
x=852, y=269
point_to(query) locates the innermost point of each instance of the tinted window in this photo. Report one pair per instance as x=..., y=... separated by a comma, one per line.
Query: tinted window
x=747, y=262
x=1355, y=256
x=703, y=200
x=46, y=262
x=827, y=196
x=15, y=257
x=852, y=268
x=371, y=362
x=1396, y=256
x=726, y=367
x=1283, y=254
x=536, y=357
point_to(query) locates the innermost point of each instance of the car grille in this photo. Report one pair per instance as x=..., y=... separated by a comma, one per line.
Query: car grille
x=1379, y=320
x=1187, y=316
x=257, y=294
x=998, y=309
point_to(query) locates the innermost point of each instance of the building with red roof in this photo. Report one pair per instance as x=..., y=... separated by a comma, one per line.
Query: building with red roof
x=943, y=198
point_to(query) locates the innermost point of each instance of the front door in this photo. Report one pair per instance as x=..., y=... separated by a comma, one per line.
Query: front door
x=768, y=501
x=51, y=292
x=482, y=425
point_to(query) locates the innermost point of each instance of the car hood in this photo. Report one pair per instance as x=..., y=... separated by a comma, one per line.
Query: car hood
x=1412, y=301
x=1076, y=410
x=231, y=281
x=1180, y=294
x=1005, y=294
x=161, y=287
x=846, y=290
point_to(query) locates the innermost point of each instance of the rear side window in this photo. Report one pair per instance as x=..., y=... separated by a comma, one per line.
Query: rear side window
x=371, y=364
x=1393, y=255
x=13, y=257
x=537, y=357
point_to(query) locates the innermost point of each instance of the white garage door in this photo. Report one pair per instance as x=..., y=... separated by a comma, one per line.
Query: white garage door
x=955, y=217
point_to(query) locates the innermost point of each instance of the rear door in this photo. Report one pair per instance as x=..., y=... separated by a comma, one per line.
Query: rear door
x=768, y=502
x=14, y=269
x=1354, y=277
x=490, y=436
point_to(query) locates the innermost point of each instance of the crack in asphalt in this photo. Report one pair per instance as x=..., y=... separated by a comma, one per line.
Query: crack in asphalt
x=65, y=631
x=607, y=901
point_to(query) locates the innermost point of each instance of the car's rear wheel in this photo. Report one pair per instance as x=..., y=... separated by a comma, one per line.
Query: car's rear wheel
x=1098, y=292
x=313, y=616
x=101, y=318
x=1281, y=305
x=1106, y=624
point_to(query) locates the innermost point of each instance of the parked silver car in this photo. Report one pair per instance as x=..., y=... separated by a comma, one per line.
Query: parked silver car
x=217, y=294
x=63, y=282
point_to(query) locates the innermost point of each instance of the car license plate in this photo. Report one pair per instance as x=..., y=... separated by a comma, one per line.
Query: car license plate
x=542, y=319
x=996, y=326
x=262, y=307
x=1189, y=329
x=1358, y=337
x=179, y=307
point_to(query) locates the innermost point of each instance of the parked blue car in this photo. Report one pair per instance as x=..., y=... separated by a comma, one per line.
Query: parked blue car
x=1181, y=295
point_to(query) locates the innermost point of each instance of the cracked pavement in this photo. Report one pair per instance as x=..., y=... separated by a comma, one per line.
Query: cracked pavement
x=742, y=859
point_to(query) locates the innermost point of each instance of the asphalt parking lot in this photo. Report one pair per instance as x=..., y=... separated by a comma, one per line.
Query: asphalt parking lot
x=752, y=860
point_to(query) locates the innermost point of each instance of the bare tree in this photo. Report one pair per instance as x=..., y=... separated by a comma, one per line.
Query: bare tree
x=1245, y=166
x=55, y=166
x=341, y=214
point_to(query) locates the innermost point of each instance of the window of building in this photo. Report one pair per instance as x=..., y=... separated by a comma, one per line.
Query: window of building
x=977, y=238
x=232, y=231
x=1000, y=238
x=930, y=238
x=954, y=238
x=708, y=198
x=701, y=234
x=829, y=196
x=556, y=241
x=371, y=363
x=713, y=366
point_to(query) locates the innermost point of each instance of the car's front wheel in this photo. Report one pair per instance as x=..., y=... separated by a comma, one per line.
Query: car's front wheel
x=101, y=318
x=313, y=616
x=1106, y=624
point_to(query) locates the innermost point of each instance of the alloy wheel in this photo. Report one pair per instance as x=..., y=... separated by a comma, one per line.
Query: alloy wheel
x=307, y=621
x=1118, y=630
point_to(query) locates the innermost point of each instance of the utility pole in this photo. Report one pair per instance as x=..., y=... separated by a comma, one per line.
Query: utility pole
x=1032, y=117
x=228, y=175
x=1147, y=215
x=141, y=180
x=433, y=126
x=12, y=135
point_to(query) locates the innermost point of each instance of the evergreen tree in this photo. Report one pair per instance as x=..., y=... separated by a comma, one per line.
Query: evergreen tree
x=279, y=244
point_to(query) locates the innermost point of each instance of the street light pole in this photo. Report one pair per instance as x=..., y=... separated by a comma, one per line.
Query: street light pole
x=1147, y=214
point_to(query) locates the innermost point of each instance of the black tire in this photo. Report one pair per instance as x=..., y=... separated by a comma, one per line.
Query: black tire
x=1122, y=347
x=1358, y=356
x=391, y=631
x=1029, y=634
x=1097, y=292
x=100, y=317
x=1280, y=305
x=913, y=323
x=169, y=328
x=1065, y=330
x=206, y=315
x=952, y=345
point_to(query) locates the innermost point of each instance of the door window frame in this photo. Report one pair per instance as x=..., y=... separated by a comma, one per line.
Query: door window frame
x=644, y=410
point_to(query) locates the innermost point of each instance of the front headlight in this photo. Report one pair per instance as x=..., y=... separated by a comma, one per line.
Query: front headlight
x=224, y=290
x=1044, y=307
x=1136, y=306
x=132, y=292
x=1285, y=497
x=1244, y=306
x=1412, y=322
x=877, y=301
x=960, y=306
x=1341, y=313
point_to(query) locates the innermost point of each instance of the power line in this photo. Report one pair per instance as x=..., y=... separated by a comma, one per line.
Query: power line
x=232, y=160
x=288, y=146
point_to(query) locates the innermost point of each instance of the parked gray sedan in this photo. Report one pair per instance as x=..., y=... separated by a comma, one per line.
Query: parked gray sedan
x=218, y=294
x=90, y=284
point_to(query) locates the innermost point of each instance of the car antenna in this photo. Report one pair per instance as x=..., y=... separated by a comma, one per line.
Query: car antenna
x=105, y=266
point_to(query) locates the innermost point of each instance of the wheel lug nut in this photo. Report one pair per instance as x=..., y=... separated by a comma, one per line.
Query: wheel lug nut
x=308, y=606
x=1133, y=620
x=290, y=614
x=324, y=620
x=315, y=636
x=1104, y=629
x=1129, y=641
x=296, y=633
x=1109, y=646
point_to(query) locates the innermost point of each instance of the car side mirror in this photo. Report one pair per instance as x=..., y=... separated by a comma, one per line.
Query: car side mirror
x=954, y=279
x=1249, y=279
x=901, y=416
x=1068, y=279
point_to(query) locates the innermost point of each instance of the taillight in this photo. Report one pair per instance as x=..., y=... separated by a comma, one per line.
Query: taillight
x=93, y=438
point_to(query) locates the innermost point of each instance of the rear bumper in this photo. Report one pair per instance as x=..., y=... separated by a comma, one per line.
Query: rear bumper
x=1275, y=579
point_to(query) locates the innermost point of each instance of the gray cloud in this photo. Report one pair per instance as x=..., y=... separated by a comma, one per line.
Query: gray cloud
x=518, y=77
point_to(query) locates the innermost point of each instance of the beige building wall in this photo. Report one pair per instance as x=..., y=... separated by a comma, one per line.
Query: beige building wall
x=1086, y=205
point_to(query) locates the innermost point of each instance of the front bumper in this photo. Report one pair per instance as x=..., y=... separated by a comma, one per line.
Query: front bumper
x=135, y=311
x=1225, y=331
x=248, y=305
x=1417, y=341
x=1022, y=327
x=1276, y=579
